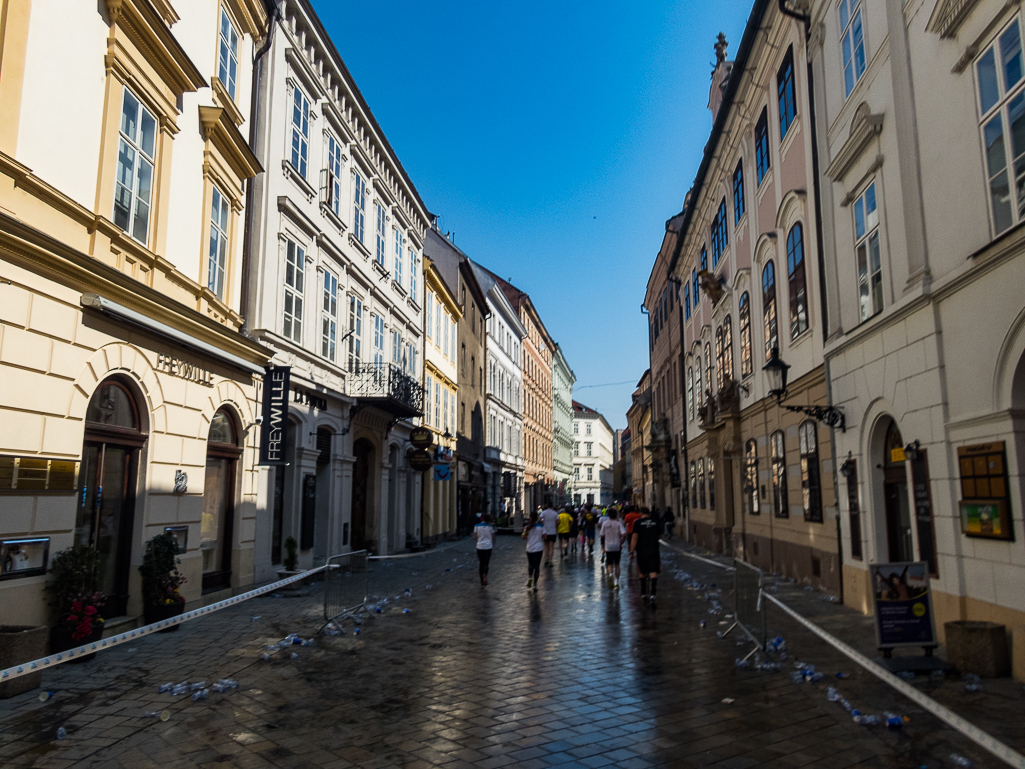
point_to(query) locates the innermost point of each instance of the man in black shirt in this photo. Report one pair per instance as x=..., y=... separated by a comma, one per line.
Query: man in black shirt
x=644, y=544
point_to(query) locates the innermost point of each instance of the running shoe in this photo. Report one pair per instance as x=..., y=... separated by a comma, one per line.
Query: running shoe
x=484, y=580
x=652, y=599
x=612, y=583
x=530, y=581
x=615, y=585
x=535, y=588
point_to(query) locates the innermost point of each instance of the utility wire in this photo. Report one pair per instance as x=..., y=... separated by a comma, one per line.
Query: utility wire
x=607, y=384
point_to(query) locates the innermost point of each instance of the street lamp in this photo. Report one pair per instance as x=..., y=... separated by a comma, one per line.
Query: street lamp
x=776, y=369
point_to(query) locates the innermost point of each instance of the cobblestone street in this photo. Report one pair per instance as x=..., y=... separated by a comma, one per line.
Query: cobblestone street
x=575, y=675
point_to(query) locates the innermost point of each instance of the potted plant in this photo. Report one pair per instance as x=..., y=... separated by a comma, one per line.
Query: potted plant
x=76, y=600
x=161, y=581
x=291, y=564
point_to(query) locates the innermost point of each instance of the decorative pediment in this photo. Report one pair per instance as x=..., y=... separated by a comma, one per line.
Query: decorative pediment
x=949, y=15
x=792, y=201
x=220, y=130
x=865, y=126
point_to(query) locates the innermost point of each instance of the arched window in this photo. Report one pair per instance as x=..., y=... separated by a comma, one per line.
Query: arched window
x=704, y=258
x=769, y=308
x=699, y=392
x=711, y=483
x=745, y=335
x=727, y=346
x=112, y=406
x=751, y=477
x=686, y=301
x=811, y=485
x=720, y=369
x=785, y=92
x=796, y=281
x=708, y=366
x=780, y=505
x=690, y=392
x=216, y=523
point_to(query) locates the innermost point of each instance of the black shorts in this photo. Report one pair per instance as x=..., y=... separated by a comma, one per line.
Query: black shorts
x=565, y=537
x=550, y=537
x=648, y=563
x=589, y=534
x=612, y=557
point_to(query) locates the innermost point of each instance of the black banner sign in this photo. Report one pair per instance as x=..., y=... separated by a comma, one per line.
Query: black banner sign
x=421, y=460
x=923, y=510
x=275, y=415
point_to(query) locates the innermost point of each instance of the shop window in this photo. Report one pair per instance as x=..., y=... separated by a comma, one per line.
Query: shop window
x=811, y=486
x=780, y=502
x=216, y=525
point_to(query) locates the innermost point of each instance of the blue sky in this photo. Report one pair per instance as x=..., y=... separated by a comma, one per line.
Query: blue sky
x=554, y=139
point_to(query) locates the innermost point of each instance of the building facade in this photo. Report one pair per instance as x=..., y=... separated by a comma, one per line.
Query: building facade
x=926, y=346
x=593, y=441
x=337, y=231
x=128, y=392
x=563, y=380
x=640, y=491
x=504, y=411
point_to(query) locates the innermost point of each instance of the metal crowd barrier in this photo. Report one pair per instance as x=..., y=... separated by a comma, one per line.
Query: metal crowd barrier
x=345, y=584
x=749, y=608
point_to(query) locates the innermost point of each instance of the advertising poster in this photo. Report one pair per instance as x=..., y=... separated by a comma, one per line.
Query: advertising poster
x=23, y=557
x=903, y=605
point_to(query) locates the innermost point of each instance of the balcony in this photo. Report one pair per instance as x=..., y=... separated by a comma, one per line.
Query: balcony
x=387, y=387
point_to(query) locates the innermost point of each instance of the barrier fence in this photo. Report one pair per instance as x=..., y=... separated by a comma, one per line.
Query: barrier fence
x=345, y=584
x=749, y=611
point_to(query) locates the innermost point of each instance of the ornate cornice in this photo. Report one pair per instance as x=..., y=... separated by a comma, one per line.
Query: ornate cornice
x=865, y=126
x=948, y=15
x=219, y=129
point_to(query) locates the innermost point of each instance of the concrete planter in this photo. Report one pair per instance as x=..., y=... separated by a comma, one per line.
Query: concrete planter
x=18, y=644
x=152, y=614
x=978, y=647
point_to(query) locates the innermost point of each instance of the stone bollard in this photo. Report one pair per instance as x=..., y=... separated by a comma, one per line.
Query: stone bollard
x=18, y=644
x=978, y=647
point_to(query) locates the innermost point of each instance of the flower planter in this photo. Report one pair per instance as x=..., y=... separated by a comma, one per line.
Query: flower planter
x=61, y=641
x=18, y=644
x=153, y=614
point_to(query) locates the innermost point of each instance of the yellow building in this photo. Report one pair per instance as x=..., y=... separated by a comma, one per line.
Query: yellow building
x=127, y=393
x=441, y=394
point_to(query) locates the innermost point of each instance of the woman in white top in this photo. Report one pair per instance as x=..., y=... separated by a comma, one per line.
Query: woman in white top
x=484, y=533
x=534, y=532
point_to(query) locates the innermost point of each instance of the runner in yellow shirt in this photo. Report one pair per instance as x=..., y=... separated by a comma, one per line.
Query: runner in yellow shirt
x=564, y=525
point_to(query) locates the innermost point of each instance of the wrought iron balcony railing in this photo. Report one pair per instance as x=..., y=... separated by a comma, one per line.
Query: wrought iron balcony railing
x=388, y=387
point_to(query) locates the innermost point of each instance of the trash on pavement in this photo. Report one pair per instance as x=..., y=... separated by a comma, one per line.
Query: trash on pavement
x=44, y=696
x=728, y=700
x=163, y=715
x=972, y=683
x=961, y=760
x=907, y=675
x=61, y=732
x=202, y=694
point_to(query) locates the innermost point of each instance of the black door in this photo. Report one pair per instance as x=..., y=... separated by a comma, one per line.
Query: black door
x=360, y=485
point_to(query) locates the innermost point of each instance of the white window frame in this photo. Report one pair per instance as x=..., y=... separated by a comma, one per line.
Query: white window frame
x=429, y=395
x=135, y=165
x=359, y=206
x=587, y=428
x=227, y=54
x=414, y=282
x=851, y=9
x=869, y=274
x=400, y=250
x=334, y=175
x=590, y=472
x=396, y=348
x=329, y=317
x=380, y=232
x=588, y=449
x=294, y=287
x=217, y=257
x=300, y=147
x=356, y=327
x=378, y=349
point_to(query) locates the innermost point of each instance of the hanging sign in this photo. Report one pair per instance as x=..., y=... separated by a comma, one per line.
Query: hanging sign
x=275, y=415
x=443, y=472
x=421, y=438
x=903, y=604
x=420, y=460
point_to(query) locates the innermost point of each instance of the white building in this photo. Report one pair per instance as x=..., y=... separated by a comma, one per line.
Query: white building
x=592, y=457
x=504, y=412
x=336, y=291
x=563, y=380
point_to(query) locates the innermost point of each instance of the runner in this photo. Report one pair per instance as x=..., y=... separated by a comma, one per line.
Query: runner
x=644, y=543
x=668, y=521
x=588, y=521
x=613, y=532
x=550, y=520
x=574, y=530
x=601, y=522
x=534, y=533
x=564, y=526
x=484, y=533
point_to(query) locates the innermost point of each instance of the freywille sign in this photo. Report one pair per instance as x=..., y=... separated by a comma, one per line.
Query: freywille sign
x=275, y=415
x=182, y=368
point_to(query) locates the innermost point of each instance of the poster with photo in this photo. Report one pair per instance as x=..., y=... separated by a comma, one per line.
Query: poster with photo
x=23, y=557
x=903, y=604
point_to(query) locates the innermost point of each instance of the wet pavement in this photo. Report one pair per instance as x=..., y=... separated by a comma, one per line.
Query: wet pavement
x=574, y=675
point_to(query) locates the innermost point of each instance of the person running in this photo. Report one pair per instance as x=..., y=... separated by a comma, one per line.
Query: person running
x=668, y=522
x=484, y=534
x=613, y=532
x=574, y=530
x=564, y=526
x=534, y=533
x=601, y=522
x=644, y=543
x=550, y=520
x=588, y=522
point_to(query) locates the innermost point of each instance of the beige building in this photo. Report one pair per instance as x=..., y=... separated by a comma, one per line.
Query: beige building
x=919, y=113
x=638, y=419
x=127, y=393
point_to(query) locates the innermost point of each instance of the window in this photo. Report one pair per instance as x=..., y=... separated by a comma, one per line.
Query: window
x=444, y=396
x=738, y=192
x=379, y=220
x=745, y=335
x=866, y=246
x=400, y=252
x=414, y=270
x=588, y=448
x=359, y=207
x=428, y=312
x=329, y=317
x=686, y=301
x=334, y=175
x=428, y=391
x=576, y=428
x=300, y=131
x=227, y=55
x=797, y=283
x=698, y=389
x=762, y=161
x=576, y=473
x=719, y=352
x=690, y=392
x=356, y=327
x=726, y=364
x=811, y=486
x=437, y=328
x=590, y=473
x=295, y=265
x=780, y=505
x=704, y=259
x=701, y=483
x=852, y=43
x=134, y=184
x=751, y=477
x=708, y=367
x=437, y=404
x=378, y=324
x=720, y=236
x=445, y=346
x=694, y=280
x=1002, y=107
x=576, y=448
x=785, y=93
x=769, y=308
x=396, y=348
x=711, y=483
x=411, y=359
x=587, y=429
x=218, y=256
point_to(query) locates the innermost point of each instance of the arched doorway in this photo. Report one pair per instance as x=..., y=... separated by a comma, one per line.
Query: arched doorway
x=899, y=540
x=217, y=526
x=364, y=452
x=109, y=474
